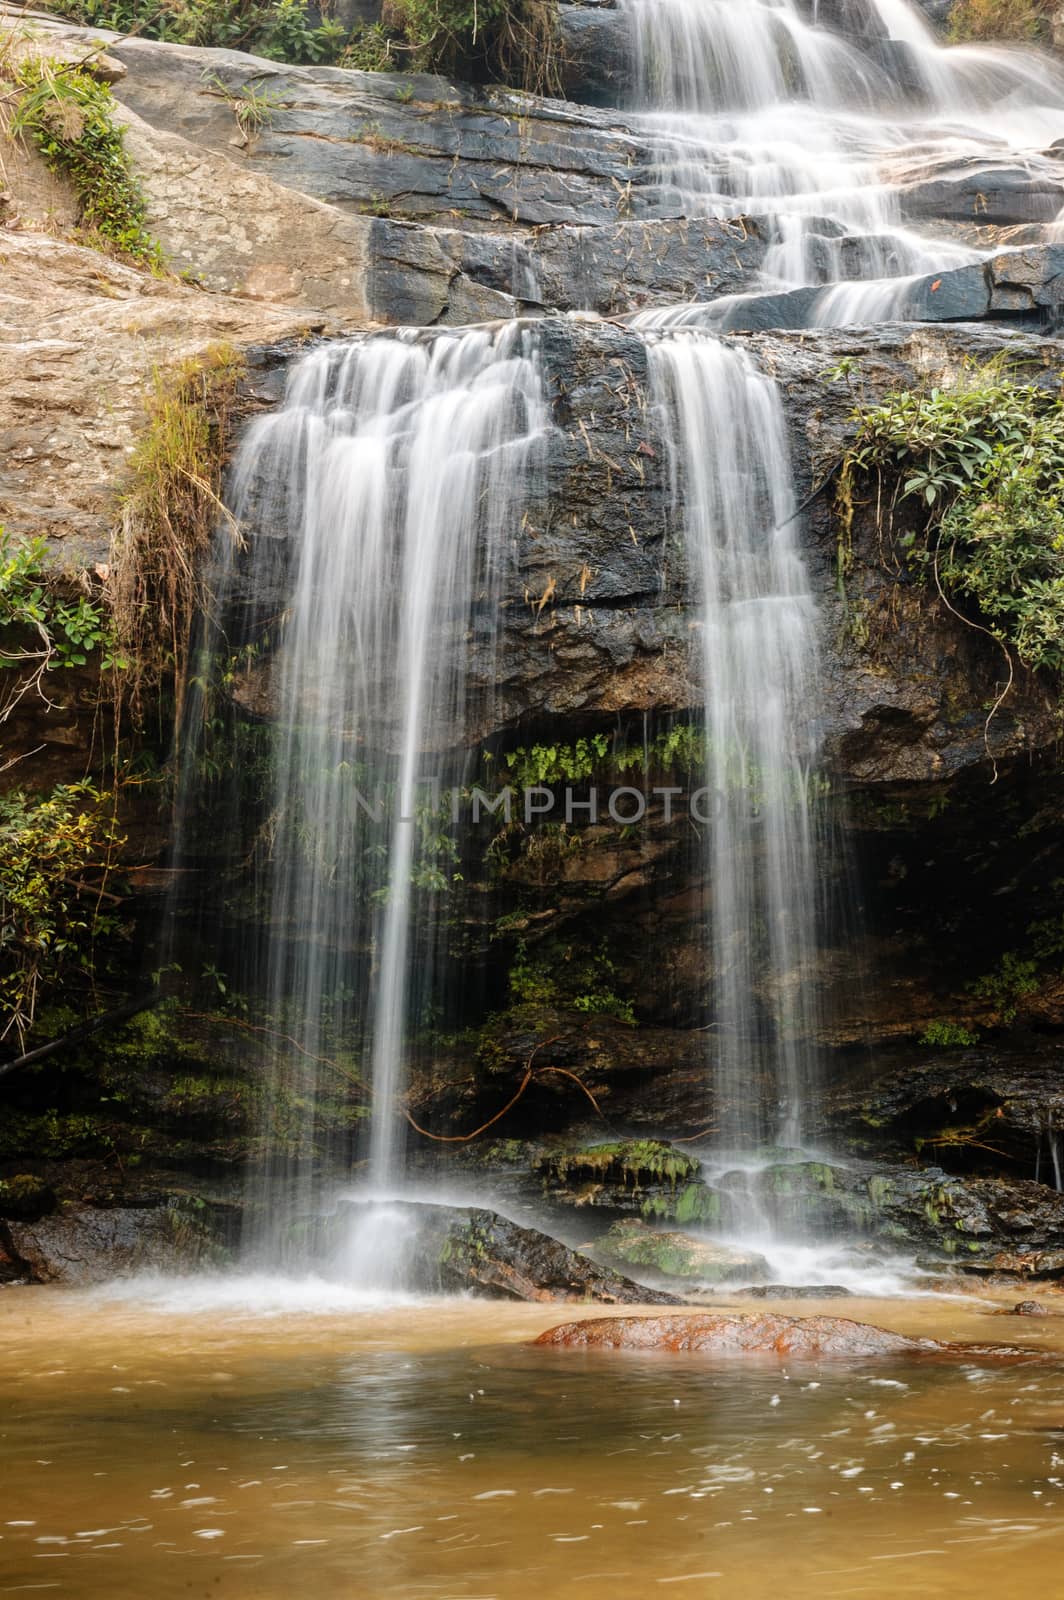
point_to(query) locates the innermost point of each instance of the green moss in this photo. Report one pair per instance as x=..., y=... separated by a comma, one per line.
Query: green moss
x=693, y=1204
x=636, y=1163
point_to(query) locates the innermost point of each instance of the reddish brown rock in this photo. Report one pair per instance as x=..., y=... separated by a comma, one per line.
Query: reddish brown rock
x=733, y=1335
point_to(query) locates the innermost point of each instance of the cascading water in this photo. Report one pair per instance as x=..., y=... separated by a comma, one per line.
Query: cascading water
x=394, y=472
x=767, y=851
x=733, y=497
x=763, y=110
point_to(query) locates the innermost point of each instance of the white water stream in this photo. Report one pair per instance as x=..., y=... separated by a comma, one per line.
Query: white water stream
x=396, y=469
x=757, y=110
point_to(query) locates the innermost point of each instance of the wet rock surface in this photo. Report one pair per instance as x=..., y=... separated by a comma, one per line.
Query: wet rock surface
x=716, y=1334
x=85, y=1245
x=632, y=1244
x=470, y=1249
x=972, y=1106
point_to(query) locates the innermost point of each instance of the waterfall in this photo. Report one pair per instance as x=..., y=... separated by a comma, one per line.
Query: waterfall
x=394, y=474
x=732, y=498
x=763, y=109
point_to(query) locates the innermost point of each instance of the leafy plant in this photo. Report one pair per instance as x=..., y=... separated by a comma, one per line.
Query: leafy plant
x=70, y=117
x=985, y=461
x=512, y=41
x=56, y=854
x=1012, y=979
x=251, y=106
x=41, y=628
x=560, y=974
x=947, y=1035
x=280, y=30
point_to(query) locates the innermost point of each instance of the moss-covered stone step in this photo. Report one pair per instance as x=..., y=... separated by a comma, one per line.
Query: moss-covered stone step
x=634, y=1244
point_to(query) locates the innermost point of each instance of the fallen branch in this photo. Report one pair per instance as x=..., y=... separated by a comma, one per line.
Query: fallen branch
x=84, y=1030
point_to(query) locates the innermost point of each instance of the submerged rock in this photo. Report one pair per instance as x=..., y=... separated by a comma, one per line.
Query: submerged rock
x=632, y=1243
x=468, y=1248
x=723, y=1334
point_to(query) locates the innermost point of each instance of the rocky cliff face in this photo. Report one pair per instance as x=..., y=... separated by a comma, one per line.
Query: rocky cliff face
x=368, y=199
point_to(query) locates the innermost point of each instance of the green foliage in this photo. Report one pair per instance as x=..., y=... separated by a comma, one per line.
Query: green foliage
x=985, y=460
x=39, y=627
x=511, y=41
x=251, y=106
x=948, y=1035
x=70, y=117
x=569, y=976
x=56, y=853
x=1026, y=21
x=280, y=30
x=681, y=748
x=1014, y=977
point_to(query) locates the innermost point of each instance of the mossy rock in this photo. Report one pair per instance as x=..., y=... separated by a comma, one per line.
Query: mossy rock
x=635, y=1163
x=693, y=1204
x=632, y=1243
x=25, y=1198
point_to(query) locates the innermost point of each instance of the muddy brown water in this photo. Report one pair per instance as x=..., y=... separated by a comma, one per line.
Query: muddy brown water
x=199, y=1440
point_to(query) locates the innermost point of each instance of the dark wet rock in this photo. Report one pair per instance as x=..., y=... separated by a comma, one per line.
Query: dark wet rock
x=597, y=41
x=974, y=1221
x=1027, y=1308
x=81, y=1245
x=796, y=1291
x=444, y=276
x=982, y=192
x=611, y=638
x=632, y=1244
x=971, y=1106
x=723, y=1334
x=461, y=1249
x=12, y=1267
x=25, y=1198
x=1025, y=286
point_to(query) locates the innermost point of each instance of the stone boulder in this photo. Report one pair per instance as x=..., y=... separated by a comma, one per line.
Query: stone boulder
x=462, y=1249
x=92, y=1244
x=632, y=1244
x=713, y=1333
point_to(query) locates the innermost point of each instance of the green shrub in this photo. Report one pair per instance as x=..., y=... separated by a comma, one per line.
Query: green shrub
x=947, y=1035
x=38, y=625
x=280, y=30
x=985, y=461
x=56, y=853
x=70, y=117
x=507, y=41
